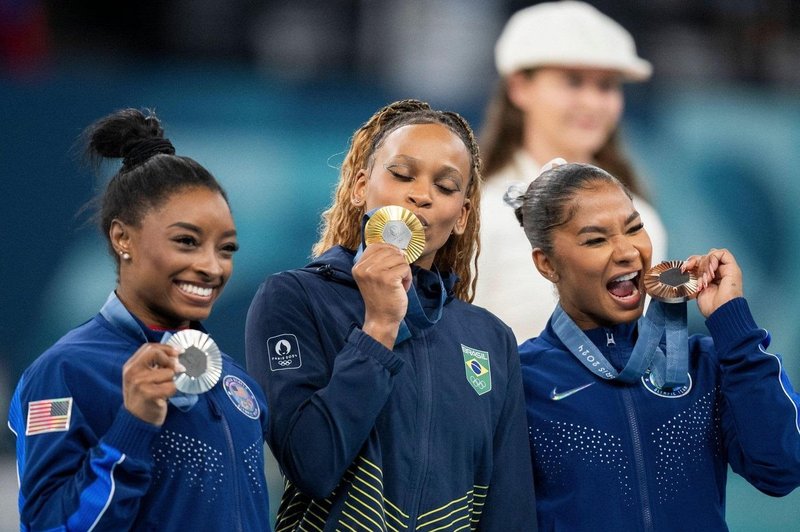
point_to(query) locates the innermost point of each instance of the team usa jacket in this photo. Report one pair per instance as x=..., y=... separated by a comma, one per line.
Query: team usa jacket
x=85, y=462
x=428, y=436
x=615, y=456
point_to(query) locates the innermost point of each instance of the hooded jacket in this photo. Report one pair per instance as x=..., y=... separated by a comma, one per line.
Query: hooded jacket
x=85, y=462
x=428, y=436
x=614, y=456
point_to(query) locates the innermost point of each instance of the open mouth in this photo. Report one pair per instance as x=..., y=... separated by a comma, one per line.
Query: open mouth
x=625, y=288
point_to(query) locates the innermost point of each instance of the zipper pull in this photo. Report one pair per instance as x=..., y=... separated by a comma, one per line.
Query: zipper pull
x=610, y=339
x=216, y=411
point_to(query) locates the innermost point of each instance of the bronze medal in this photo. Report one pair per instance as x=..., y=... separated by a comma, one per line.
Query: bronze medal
x=665, y=282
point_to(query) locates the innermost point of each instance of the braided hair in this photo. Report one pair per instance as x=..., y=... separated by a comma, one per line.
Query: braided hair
x=341, y=223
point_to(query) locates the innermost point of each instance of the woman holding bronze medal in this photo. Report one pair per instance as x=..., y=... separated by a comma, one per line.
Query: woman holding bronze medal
x=135, y=420
x=394, y=403
x=563, y=67
x=632, y=425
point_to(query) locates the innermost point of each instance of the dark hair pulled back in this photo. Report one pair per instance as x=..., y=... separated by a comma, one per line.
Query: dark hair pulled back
x=547, y=203
x=150, y=172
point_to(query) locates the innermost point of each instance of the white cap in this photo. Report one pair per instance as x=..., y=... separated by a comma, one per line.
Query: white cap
x=567, y=34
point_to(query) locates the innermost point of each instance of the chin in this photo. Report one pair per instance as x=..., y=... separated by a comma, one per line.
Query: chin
x=628, y=316
x=195, y=314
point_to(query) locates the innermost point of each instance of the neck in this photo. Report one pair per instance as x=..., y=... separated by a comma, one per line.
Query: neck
x=542, y=150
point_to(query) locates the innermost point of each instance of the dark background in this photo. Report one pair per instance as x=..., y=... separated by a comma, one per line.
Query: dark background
x=266, y=95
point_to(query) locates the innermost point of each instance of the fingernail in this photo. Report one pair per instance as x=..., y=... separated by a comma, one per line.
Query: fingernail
x=179, y=368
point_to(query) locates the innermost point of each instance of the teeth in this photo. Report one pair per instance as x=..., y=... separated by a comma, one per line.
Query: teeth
x=626, y=277
x=194, y=289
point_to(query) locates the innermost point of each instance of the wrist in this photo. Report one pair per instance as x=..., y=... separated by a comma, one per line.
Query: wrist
x=382, y=331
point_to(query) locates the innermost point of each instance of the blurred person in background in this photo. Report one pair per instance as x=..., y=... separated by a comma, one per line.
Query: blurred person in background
x=622, y=436
x=103, y=440
x=562, y=66
x=394, y=403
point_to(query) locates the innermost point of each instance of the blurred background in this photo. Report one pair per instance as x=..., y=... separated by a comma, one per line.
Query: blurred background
x=266, y=95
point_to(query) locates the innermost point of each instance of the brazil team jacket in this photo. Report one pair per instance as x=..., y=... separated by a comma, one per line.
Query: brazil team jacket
x=86, y=463
x=615, y=456
x=428, y=436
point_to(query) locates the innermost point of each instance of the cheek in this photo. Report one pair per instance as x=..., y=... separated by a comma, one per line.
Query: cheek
x=614, y=107
x=227, y=266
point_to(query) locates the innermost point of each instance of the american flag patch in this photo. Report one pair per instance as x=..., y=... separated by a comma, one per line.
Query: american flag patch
x=50, y=415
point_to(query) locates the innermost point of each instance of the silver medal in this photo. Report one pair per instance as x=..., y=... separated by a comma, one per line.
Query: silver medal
x=202, y=359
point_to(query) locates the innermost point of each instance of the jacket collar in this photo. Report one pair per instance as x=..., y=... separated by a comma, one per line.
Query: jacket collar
x=121, y=318
x=337, y=265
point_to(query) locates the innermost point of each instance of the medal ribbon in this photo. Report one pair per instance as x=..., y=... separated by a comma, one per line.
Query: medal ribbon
x=115, y=313
x=415, y=314
x=668, y=370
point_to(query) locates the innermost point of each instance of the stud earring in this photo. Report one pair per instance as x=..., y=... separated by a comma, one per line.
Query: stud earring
x=125, y=255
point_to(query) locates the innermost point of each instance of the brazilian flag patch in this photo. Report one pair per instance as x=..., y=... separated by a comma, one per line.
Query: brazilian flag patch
x=479, y=373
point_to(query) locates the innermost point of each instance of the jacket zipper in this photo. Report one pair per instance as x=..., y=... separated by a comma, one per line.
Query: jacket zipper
x=426, y=394
x=217, y=410
x=638, y=458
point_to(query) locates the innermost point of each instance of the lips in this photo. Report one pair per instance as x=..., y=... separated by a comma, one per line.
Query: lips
x=422, y=220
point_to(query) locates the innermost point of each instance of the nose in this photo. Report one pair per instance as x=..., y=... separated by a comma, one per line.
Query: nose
x=419, y=195
x=594, y=95
x=209, y=264
x=624, y=251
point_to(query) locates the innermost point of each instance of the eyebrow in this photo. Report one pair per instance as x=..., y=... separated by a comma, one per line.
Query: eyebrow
x=597, y=229
x=198, y=230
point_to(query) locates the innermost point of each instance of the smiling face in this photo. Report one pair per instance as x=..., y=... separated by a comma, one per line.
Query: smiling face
x=181, y=256
x=568, y=112
x=426, y=169
x=599, y=258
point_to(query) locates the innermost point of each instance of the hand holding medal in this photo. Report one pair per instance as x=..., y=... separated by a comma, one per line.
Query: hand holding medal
x=719, y=276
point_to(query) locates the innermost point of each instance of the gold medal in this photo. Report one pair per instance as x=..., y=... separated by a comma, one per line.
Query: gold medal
x=665, y=282
x=399, y=227
x=201, y=358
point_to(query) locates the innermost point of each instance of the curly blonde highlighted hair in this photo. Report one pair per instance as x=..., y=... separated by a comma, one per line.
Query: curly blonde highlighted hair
x=341, y=223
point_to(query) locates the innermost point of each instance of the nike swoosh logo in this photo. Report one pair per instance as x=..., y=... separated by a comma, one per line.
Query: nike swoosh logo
x=556, y=396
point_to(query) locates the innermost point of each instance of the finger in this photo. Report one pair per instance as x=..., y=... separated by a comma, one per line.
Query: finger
x=159, y=376
x=407, y=280
x=380, y=262
x=382, y=249
x=163, y=390
x=690, y=263
x=161, y=358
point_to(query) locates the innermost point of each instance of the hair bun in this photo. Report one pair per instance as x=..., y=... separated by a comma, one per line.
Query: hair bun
x=142, y=150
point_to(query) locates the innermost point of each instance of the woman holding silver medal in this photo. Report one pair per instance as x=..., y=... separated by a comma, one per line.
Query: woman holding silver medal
x=394, y=403
x=632, y=425
x=135, y=420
